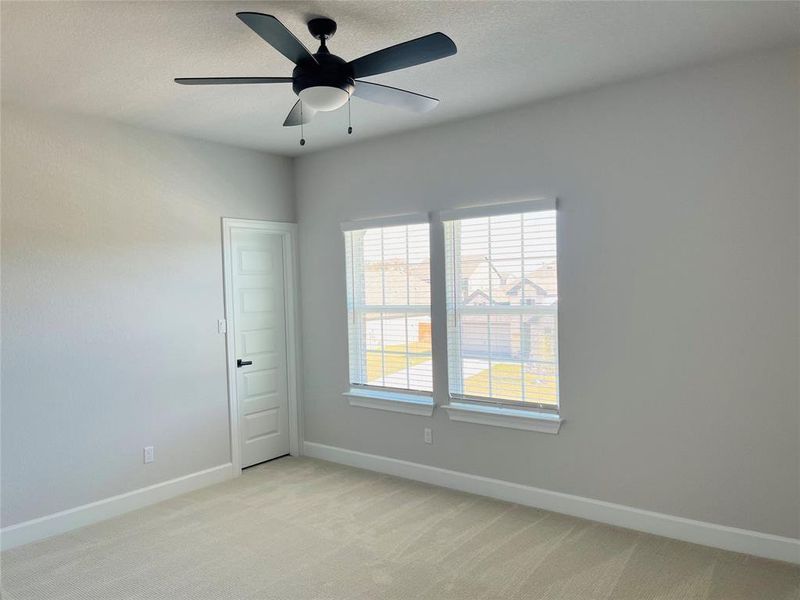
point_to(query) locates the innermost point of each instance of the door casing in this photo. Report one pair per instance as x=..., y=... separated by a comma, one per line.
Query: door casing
x=288, y=233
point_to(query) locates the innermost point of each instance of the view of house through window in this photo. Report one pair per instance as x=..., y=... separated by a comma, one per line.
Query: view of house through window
x=502, y=306
x=389, y=307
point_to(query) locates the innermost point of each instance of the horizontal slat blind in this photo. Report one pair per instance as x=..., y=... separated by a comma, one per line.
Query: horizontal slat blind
x=389, y=307
x=502, y=309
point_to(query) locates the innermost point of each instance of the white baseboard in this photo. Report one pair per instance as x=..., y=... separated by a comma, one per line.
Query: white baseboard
x=697, y=532
x=73, y=518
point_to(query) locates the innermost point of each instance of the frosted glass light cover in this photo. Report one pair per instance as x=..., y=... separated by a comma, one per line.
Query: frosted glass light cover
x=323, y=97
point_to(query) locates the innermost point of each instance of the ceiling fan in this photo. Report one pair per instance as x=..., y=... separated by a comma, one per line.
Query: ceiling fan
x=324, y=81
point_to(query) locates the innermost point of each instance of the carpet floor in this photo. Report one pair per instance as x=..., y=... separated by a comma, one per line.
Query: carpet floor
x=299, y=528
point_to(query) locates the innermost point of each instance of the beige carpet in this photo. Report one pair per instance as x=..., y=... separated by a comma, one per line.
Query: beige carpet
x=302, y=528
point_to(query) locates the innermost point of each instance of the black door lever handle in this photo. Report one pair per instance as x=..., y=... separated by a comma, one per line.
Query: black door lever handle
x=243, y=363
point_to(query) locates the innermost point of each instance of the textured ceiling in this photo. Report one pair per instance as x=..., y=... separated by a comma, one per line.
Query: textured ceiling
x=117, y=59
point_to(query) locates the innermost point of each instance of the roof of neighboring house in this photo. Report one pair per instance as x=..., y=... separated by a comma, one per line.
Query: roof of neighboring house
x=542, y=279
x=514, y=286
x=391, y=287
x=470, y=264
x=475, y=295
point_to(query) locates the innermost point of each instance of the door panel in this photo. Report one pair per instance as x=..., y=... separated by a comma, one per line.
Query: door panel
x=262, y=423
x=259, y=330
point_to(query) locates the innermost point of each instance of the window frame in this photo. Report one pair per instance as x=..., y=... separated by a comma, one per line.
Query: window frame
x=395, y=399
x=521, y=416
x=512, y=410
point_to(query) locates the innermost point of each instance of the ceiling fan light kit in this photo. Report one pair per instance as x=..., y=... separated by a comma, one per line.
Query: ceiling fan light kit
x=323, y=97
x=325, y=82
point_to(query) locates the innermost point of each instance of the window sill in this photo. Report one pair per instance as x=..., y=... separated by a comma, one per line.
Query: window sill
x=412, y=404
x=512, y=418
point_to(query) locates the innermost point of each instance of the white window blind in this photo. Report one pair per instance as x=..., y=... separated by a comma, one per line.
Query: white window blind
x=502, y=308
x=389, y=307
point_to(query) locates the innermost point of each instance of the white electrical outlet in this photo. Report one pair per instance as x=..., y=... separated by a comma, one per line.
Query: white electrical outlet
x=149, y=454
x=428, y=435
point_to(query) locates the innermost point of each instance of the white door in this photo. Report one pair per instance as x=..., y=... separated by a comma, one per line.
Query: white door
x=259, y=329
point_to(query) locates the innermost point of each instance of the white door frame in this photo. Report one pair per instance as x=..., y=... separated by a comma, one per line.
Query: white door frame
x=288, y=233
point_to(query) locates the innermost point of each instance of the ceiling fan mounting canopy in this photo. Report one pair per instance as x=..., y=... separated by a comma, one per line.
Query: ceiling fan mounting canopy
x=324, y=81
x=322, y=28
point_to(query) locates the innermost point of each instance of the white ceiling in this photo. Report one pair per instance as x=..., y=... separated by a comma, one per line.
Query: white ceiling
x=117, y=59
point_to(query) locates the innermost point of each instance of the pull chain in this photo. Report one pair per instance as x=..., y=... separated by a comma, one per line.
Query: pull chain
x=349, y=122
x=302, y=137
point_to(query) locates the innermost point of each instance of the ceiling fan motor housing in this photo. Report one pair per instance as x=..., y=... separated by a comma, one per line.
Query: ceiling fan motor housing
x=331, y=71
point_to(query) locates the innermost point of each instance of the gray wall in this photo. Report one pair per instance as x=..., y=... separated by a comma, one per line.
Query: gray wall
x=111, y=288
x=679, y=288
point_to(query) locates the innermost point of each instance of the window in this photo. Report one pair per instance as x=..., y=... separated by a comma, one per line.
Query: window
x=502, y=307
x=389, y=308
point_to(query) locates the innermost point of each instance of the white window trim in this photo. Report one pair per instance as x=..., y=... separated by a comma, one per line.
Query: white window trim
x=407, y=219
x=513, y=418
x=388, y=399
x=526, y=419
x=495, y=210
x=394, y=401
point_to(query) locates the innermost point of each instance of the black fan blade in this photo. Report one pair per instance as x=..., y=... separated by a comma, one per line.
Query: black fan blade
x=229, y=80
x=293, y=118
x=391, y=96
x=408, y=54
x=276, y=35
